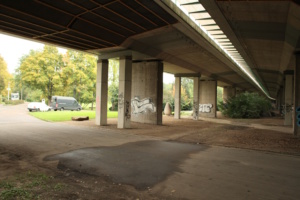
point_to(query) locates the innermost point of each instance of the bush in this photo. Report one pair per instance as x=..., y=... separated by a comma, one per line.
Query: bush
x=113, y=91
x=15, y=102
x=245, y=105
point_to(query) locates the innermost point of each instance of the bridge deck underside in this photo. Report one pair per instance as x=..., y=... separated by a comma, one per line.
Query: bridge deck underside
x=267, y=31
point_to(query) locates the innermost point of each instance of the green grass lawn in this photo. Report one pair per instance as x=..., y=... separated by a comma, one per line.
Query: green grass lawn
x=58, y=116
x=186, y=113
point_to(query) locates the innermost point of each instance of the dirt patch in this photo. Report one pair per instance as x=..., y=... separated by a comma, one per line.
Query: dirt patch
x=204, y=132
x=247, y=138
x=26, y=178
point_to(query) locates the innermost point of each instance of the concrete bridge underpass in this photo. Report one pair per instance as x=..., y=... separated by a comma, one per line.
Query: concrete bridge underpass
x=239, y=45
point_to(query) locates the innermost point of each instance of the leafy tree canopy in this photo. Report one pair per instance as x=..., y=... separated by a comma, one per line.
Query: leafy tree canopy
x=79, y=76
x=5, y=77
x=41, y=69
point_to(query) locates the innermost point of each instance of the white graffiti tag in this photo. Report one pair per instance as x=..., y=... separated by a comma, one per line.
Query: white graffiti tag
x=142, y=106
x=205, y=108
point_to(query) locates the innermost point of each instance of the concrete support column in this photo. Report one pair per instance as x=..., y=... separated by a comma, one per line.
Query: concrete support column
x=228, y=92
x=208, y=99
x=124, y=101
x=288, y=99
x=278, y=98
x=147, y=92
x=160, y=92
x=101, y=92
x=177, y=98
x=196, y=98
x=296, y=128
x=282, y=99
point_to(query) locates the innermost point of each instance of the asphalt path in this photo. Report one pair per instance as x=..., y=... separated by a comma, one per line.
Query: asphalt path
x=186, y=171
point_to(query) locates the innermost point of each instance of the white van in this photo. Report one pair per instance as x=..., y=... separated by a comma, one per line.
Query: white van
x=38, y=106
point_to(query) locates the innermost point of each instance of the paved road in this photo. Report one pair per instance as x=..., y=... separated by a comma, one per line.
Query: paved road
x=182, y=170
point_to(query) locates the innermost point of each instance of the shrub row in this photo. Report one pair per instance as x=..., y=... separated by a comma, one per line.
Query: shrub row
x=15, y=102
x=245, y=105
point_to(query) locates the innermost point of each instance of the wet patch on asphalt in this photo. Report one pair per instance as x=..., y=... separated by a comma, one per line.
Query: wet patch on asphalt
x=141, y=164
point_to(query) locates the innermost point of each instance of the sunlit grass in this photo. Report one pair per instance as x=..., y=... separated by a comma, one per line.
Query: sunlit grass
x=29, y=185
x=186, y=113
x=58, y=116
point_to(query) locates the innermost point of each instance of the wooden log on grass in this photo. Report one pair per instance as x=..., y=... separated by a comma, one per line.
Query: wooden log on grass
x=80, y=118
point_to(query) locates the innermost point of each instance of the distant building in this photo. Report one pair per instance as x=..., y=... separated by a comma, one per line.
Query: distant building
x=15, y=96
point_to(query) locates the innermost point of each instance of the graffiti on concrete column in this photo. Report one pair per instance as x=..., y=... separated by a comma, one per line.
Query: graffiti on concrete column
x=142, y=106
x=196, y=110
x=120, y=100
x=205, y=108
x=288, y=108
x=127, y=113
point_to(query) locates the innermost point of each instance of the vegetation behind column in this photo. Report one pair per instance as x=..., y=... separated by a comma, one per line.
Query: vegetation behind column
x=245, y=105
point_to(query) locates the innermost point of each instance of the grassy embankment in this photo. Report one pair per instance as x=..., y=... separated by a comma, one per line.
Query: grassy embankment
x=58, y=116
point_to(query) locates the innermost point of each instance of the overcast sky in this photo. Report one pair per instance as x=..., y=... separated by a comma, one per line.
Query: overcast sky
x=13, y=48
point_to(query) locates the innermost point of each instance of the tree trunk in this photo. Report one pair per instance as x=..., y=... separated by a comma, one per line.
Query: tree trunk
x=112, y=106
x=50, y=92
x=74, y=92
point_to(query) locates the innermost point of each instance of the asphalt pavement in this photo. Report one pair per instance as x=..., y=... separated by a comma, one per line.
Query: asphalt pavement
x=188, y=171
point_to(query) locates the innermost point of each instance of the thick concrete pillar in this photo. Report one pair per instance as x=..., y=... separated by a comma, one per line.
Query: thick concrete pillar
x=147, y=92
x=228, y=92
x=288, y=99
x=160, y=92
x=282, y=99
x=296, y=127
x=124, y=101
x=177, y=103
x=196, y=98
x=101, y=92
x=278, y=98
x=208, y=99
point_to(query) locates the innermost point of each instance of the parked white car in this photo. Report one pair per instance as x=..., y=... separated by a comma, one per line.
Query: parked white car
x=38, y=106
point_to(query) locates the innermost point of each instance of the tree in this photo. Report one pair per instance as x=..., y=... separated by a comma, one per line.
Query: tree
x=246, y=105
x=5, y=77
x=113, y=88
x=79, y=76
x=113, y=71
x=219, y=97
x=168, y=94
x=42, y=70
x=187, y=93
